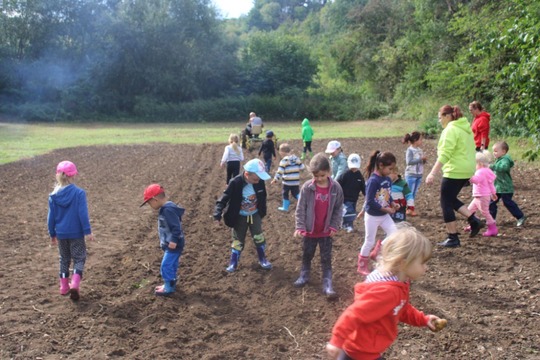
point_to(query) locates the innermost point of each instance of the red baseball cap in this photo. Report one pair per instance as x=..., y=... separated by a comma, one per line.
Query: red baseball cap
x=151, y=192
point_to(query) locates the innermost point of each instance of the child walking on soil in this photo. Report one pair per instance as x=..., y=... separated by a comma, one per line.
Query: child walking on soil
x=307, y=138
x=483, y=192
x=232, y=156
x=402, y=196
x=171, y=236
x=289, y=172
x=504, y=184
x=337, y=158
x=415, y=160
x=268, y=150
x=369, y=326
x=378, y=206
x=352, y=183
x=244, y=203
x=318, y=216
x=69, y=226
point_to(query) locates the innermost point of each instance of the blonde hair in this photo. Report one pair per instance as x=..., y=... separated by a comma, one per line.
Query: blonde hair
x=285, y=148
x=62, y=180
x=403, y=247
x=233, y=140
x=483, y=158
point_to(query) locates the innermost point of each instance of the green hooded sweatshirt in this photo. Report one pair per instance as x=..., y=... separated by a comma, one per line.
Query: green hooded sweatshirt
x=307, y=131
x=456, y=150
x=501, y=168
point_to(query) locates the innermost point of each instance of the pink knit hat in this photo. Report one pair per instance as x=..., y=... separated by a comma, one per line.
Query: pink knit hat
x=67, y=167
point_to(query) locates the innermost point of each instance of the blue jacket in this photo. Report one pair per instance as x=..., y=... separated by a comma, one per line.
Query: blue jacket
x=68, y=214
x=170, y=226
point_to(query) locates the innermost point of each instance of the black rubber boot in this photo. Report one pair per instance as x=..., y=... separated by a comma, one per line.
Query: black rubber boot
x=475, y=224
x=327, y=285
x=302, y=279
x=452, y=241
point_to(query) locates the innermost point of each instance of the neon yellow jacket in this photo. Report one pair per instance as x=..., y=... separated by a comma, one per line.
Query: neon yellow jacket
x=456, y=150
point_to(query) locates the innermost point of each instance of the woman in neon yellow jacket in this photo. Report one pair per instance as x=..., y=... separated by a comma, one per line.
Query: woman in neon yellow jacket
x=456, y=157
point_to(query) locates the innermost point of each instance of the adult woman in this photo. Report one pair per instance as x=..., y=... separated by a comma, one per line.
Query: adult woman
x=456, y=158
x=480, y=125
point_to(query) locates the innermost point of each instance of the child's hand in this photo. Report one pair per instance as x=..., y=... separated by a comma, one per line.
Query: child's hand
x=494, y=197
x=435, y=323
x=430, y=178
x=424, y=159
x=396, y=206
x=172, y=245
x=54, y=241
x=273, y=181
x=90, y=237
x=389, y=210
x=360, y=214
x=297, y=233
x=332, y=351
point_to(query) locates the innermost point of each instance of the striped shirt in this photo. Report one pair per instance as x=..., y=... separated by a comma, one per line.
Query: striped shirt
x=376, y=276
x=289, y=170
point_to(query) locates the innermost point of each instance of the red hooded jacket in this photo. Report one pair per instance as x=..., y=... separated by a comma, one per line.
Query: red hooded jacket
x=480, y=129
x=370, y=325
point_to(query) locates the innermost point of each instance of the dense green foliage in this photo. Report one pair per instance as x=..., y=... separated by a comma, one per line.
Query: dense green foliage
x=178, y=60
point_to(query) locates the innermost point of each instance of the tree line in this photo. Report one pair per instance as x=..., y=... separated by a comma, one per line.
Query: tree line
x=179, y=60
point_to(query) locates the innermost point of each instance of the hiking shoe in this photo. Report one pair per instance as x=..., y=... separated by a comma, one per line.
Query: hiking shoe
x=349, y=229
x=450, y=242
x=476, y=225
x=521, y=221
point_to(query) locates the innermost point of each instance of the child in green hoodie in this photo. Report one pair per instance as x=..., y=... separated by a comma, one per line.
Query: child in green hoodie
x=504, y=184
x=307, y=137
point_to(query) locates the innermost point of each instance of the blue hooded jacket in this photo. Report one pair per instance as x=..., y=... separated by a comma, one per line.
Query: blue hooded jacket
x=68, y=213
x=170, y=226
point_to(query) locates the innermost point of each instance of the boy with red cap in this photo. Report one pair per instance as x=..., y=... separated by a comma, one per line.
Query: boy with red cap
x=244, y=204
x=171, y=236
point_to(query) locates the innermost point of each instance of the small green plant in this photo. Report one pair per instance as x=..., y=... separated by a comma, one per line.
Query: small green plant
x=140, y=284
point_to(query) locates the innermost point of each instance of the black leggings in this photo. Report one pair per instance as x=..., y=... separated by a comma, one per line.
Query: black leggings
x=450, y=189
x=233, y=169
x=307, y=146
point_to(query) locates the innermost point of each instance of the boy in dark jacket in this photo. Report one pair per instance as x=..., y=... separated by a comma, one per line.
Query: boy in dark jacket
x=268, y=149
x=244, y=202
x=352, y=182
x=171, y=236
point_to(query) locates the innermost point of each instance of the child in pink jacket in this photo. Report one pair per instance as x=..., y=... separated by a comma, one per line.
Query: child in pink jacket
x=483, y=191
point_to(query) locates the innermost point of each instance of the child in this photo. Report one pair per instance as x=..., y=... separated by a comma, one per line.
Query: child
x=69, y=226
x=378, y=205
x=289, y=172
x=504, y=184
x=307, y=138
x=483, y=191
x=171, y=236
x=415, y=160
x=402, y=196
x=232, y=156
x=318, y=216
x=268, y=149
x=370, y=325
x=244, y=203
x=352, y=182
x=338, y=158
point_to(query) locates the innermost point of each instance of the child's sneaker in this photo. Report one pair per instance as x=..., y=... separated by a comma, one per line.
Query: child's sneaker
x=521, y=221
x=467, y=228
x=349, y=229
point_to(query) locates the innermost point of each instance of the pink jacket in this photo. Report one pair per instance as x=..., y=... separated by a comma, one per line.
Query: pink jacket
x=483, y=182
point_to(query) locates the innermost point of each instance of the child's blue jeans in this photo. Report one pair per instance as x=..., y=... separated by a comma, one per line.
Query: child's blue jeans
x=169, y=264
x=350, y=213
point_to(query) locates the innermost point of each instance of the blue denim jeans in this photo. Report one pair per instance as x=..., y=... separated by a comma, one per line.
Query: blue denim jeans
x=414, y=184
x=169, y=265
x=268, y=164
x=350, y=213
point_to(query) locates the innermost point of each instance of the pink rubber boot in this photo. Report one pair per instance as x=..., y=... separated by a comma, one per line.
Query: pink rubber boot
x=376, y=251
x=74, y=287
x=363, y=265
x=64, y=286
x=491, y=230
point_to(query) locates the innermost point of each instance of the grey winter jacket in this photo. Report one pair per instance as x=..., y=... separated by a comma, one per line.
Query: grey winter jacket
x=305, y=210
